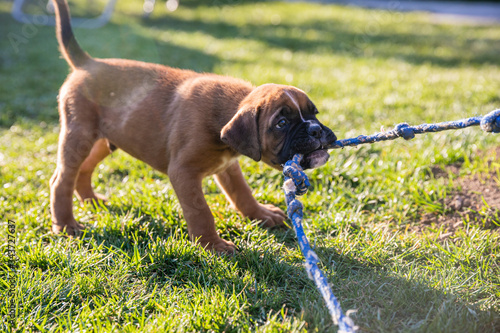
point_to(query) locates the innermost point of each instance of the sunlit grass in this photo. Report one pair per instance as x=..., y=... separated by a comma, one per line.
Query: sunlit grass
x=135, y=270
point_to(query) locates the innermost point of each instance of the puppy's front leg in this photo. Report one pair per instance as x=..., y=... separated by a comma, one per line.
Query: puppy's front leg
x=237, y=191
x=199, y=218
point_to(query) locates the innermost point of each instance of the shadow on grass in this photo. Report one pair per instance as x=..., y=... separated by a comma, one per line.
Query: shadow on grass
x=336, y=37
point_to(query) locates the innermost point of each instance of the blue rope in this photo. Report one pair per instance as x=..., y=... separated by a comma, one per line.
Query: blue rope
x=488, y=123
x=297, y=183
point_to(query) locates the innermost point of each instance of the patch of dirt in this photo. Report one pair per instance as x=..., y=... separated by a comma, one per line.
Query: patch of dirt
x=475, y=200
x=439, y=172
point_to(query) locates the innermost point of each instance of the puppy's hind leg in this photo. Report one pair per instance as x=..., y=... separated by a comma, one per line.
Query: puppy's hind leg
x=74, y=146
x=83, y=188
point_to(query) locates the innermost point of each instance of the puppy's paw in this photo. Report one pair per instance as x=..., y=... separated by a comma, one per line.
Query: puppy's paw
x=73, y=228
x=95, y=199
x=269, y=215
x=217, y=245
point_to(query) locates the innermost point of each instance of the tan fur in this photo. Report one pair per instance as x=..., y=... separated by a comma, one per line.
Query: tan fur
x=180, y=122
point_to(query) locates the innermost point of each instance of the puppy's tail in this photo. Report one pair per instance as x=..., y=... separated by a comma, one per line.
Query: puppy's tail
x=70, y=49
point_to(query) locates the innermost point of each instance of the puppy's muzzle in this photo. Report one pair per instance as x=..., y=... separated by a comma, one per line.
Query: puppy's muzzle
x=319, y=155
x=314, y=130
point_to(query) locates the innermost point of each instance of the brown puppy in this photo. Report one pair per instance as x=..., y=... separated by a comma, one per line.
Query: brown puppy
x=185, y=124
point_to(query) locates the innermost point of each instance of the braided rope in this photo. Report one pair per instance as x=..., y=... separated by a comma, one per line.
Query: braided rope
x=488, y=123
x=297, y=183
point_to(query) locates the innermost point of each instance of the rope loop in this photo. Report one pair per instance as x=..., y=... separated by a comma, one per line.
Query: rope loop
x=491, y=122
x=405, y=131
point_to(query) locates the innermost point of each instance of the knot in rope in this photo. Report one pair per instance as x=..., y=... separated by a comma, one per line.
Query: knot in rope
x=491, y=122
x=293, y=170
x=405, y=131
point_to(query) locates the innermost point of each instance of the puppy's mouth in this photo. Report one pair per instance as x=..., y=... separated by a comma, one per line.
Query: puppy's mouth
x=311, y=158
x=315, y=158
x=317, y=155
x=314, y=150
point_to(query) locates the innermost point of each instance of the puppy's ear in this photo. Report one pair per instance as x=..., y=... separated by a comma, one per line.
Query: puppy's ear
x=242, y=133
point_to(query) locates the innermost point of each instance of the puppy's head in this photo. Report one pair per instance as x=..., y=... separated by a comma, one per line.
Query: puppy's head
x=275, y=122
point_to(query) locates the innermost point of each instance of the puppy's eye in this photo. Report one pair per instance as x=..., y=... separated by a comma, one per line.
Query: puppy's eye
x=282, y=123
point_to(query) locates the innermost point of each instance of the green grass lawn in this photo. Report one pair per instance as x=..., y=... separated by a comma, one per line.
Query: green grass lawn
x=378, y=215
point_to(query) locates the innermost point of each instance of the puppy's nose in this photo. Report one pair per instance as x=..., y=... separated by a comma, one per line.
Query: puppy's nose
x=314, y=130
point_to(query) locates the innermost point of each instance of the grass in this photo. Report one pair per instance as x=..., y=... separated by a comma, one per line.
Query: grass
x=135, y=270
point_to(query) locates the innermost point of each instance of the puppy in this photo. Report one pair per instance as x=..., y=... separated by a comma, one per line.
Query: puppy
x=182, y=123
